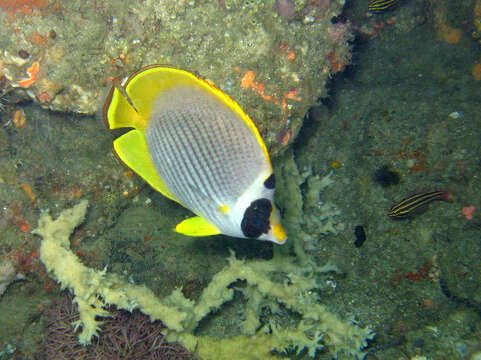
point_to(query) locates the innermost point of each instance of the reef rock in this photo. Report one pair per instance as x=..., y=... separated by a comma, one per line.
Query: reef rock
x=65, y=55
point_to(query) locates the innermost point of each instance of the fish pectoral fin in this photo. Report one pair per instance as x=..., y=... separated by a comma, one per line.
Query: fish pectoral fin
x=196, y=226
x=132, y=150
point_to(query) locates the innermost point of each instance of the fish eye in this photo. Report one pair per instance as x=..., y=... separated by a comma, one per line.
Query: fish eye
x=270, y=182
x=255, y=221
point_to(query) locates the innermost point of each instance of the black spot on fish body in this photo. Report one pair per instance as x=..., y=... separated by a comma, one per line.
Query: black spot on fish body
x=360, y=235
x=256, y=218
x=270, y=182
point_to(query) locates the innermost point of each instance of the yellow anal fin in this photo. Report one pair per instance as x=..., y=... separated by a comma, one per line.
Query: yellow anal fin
x=132, y=150
x=196, y=226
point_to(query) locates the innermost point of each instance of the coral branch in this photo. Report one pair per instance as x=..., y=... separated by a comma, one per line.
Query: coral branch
x=95, y=290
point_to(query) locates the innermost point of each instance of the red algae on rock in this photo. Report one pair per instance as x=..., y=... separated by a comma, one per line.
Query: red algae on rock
x=23, y=6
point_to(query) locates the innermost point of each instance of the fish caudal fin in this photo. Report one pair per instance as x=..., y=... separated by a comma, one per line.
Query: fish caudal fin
x=129, y=103
x=118, y=112
x=196, y=226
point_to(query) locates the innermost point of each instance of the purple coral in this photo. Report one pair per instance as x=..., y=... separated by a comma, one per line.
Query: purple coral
x=123, y=336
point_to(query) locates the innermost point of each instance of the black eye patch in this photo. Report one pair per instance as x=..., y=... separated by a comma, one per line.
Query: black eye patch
x=256, y=218
x=270, y=182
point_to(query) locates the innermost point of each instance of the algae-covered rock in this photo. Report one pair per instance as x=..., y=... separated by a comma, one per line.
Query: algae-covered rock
x=7, y=274
x=64, y=55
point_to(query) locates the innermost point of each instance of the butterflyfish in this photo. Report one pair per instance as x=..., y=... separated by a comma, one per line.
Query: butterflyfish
x=195, y=145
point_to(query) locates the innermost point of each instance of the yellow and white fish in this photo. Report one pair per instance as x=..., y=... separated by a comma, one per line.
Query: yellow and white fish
x=195, y=145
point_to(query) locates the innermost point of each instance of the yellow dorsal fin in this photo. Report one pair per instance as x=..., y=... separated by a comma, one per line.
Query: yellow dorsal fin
x=131, y=148
x=196, y=226
x=143, y=86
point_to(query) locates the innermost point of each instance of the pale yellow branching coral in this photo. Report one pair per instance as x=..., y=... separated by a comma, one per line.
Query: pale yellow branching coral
x=305, y=216
x=94, y=290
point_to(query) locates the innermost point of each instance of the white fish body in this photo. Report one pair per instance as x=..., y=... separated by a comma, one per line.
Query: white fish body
x=206, y=152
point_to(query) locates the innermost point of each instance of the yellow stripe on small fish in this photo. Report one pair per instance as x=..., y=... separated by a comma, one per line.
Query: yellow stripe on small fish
x=410, y=205
x=378, y=6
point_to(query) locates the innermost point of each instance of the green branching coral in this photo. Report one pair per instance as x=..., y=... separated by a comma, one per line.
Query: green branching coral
x=305, y=216
x=274, y=284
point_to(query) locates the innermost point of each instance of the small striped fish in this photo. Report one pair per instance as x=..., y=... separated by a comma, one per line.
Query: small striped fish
x=412, y=204
x=379, y=6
